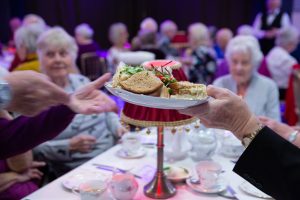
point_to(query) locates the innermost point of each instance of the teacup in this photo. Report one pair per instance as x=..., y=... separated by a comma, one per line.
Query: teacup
x=231, y=146
x=123, y=186
x=208, y=172
x=91, y=190
x=131, y=143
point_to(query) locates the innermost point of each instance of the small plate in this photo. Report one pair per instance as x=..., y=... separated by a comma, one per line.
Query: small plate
x=73, y=181
x=220, y=187
x=253, y=191
x=123, y=154
x=153, y=102
x=176, y=178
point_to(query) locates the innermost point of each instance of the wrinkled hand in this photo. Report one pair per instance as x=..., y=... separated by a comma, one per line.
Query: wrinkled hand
x=282, y=129
x=121, y=131
x=33, y=92
x=82, y=143
x=31, y=173
x=90, y=100
x=226, y=111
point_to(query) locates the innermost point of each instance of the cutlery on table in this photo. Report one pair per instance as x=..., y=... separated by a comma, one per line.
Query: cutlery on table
x=114, y=169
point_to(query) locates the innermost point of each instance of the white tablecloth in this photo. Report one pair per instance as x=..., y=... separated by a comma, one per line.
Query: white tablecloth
x=55, y=190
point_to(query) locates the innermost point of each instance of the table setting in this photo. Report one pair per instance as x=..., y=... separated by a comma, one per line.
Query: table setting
x=136, y=172
x=172, y=156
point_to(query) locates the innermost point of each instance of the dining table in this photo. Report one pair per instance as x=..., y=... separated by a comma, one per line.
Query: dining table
x=144, y=167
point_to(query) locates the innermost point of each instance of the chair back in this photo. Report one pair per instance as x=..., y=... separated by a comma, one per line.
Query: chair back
x=92, y=65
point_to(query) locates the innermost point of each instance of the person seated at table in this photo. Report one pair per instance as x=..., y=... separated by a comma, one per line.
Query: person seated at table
x=245, y=29
x=168, y=30
x=270, y=162
x=244, y=56
x=223, y=36
x=199, y=58
x=148, y=24
x=28, y=20
x=34, y=19
x=148, y=42
x=279, y=60
x=87, y=135
x=84, y=38
x=118, y=36
x=18, y=174
x=25, y=39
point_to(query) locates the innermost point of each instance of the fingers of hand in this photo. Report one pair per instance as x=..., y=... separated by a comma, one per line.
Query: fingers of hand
x=101, y=80
x=217, y=92
x=35, y=174
x=196, y=111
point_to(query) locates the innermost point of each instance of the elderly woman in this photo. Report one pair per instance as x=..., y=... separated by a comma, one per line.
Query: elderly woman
x=29, y=19
x=34, y=19
x=84, y=38
x=118, y=36
x=279, y=61
x=87, y=135
x=199, y=58
x=168, y=30
x=223, y=36
x=148, y=42
x=244, y=56
x=149, y=24
x=25, y=40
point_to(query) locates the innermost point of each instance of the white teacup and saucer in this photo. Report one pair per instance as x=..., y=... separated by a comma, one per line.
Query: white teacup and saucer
x=131, y=147
x=92, y=190
x=209, y=178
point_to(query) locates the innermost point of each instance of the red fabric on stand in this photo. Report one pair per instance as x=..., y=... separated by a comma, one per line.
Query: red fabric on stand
x=154, y=114
x=290, y=113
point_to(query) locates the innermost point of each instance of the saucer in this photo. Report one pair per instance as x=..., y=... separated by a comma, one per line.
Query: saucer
x=73, y=181
x=123, y=154
x=220, y=187
x=176, y=174
x=253, y=191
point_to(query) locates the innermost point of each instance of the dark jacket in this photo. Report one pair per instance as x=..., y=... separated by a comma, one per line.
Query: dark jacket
x=272, y=164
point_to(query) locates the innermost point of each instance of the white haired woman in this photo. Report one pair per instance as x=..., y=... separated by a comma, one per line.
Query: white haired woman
x=168, y=30
x=244, y=56
x=279, y=61
x=199, y=58
x=34, y=19
x=84, y=38
x=87, y=135
x=25, y=40
x=118, y=36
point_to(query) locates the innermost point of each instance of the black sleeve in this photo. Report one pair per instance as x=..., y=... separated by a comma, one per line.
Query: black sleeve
x=272, y=164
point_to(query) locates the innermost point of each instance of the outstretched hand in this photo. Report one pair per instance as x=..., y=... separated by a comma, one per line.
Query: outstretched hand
x=89, y=99
x=226, y=111
x=33, y=92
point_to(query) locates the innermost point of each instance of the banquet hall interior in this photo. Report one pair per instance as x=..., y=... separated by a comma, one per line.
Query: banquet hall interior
x=144, y=148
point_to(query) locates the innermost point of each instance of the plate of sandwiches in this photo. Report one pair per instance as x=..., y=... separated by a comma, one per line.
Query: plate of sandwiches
x=155, y=86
